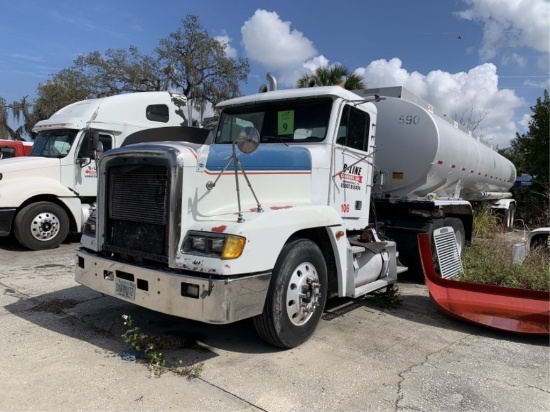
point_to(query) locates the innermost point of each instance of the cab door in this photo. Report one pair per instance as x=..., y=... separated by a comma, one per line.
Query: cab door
x=85, y=173
x=352, y=172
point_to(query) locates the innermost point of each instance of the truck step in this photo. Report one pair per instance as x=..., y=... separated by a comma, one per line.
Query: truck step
x=371, y=287
x=401, y=269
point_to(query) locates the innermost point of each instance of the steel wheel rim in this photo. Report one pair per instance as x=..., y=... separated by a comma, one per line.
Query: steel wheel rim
x=302, y=295
x=45, y=226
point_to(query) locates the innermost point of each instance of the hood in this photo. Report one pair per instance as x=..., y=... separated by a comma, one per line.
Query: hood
x=25, y=165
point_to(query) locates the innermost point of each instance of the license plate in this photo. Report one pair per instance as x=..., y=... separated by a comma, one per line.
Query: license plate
x=125, y=289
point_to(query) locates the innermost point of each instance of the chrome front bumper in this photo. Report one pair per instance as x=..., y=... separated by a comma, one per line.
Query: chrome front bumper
x=218, y=301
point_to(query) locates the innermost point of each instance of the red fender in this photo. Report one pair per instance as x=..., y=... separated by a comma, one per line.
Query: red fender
x=497, y=307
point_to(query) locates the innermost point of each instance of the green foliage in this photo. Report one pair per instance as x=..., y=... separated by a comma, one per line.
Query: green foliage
x=193, y=371
x=389, y=299
x=140, y=341
x=533, y=204
x=490, y=262
x=18, y=110
x=152, y=345
x=66, y=87
x=121, y=71
x=331, y=76
x=199, y=65
x=486, y=223
x=533, y=146
x=488, y=259
x=530, y=153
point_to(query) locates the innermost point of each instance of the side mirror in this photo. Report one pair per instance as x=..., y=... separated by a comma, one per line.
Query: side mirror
x=95, y=139
x=95, y=143
x=98, y=150
x=248, y=140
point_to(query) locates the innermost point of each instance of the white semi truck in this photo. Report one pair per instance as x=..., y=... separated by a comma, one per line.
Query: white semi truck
x=299, y=195
x=47, y=194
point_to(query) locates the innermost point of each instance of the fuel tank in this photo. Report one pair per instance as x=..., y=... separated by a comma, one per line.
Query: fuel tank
x=421, y=151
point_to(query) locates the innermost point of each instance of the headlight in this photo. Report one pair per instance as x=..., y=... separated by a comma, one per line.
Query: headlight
x=217, y=245
x=199, y=243
x=213, y=244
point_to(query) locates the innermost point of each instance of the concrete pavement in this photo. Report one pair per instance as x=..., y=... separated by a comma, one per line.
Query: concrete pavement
x=61, y=345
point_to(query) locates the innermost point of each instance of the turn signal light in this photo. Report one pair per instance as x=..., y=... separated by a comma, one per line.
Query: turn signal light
x=233, y=248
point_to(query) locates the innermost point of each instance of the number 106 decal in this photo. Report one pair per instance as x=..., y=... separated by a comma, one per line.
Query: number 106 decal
x=344, y=207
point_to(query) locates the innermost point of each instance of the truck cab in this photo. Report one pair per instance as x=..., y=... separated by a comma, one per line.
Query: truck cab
x=47, y=194
x=265, y=221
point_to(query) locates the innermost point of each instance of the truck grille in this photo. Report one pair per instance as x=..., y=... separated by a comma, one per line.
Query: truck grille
x=137, y=215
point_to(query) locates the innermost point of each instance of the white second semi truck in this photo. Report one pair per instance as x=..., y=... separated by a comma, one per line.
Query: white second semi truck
x=299, y=195
x=47, y=194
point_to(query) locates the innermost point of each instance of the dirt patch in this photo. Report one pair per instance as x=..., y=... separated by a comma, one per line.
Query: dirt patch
x=55, y=305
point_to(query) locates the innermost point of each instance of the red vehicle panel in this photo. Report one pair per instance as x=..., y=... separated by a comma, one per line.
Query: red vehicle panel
x=509, y=309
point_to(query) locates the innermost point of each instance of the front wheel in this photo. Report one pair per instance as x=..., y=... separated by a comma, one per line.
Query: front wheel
x=41, y=225
x=296, y=297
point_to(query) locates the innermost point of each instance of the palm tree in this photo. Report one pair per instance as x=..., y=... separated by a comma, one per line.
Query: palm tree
x=330, y=76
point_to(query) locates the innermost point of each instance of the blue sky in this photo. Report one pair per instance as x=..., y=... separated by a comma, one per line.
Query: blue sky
x=486, y=56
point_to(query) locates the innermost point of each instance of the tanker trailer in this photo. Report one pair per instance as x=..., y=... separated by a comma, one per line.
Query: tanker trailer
x=431, y=171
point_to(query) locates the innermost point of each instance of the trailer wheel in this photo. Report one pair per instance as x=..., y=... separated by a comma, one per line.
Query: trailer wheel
x=509, y=217
x=460, y=233
x=41, y=225
x=296, y=296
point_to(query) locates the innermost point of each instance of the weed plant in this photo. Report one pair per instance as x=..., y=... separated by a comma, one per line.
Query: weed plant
x=488, y=259
x=152, y=345
x=490, y=262
x=486, y=224
x=391, y=298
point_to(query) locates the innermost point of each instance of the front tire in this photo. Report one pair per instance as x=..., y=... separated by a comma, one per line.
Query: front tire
x=41, y=225
x=296, y=297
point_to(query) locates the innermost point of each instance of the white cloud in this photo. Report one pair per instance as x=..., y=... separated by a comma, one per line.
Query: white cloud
x=230, y=52
x=456, y=93
x=525, y=121
x=510, y=23
x=516, y=58
x=544, y=84
x=269, y=41
x=312, y=64
x=288, y=53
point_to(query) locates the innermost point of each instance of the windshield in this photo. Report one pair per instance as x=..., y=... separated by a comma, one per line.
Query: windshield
x=293, y=121
x=53, y=143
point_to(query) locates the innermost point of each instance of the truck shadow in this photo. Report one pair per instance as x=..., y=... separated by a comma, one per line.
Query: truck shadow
x=10, y=242
x=86, y=315
x=419, y=308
